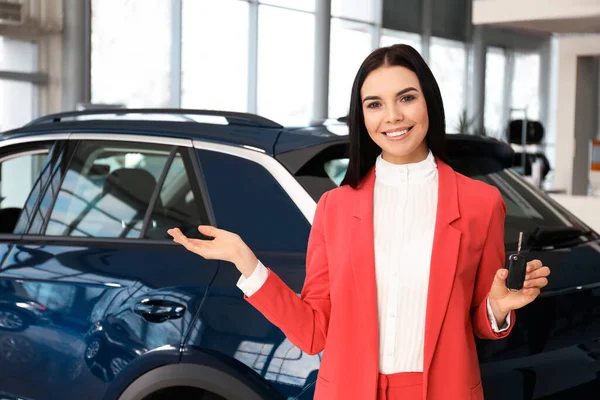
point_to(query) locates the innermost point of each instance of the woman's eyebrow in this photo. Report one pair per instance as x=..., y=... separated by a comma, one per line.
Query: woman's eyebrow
x=400, y=93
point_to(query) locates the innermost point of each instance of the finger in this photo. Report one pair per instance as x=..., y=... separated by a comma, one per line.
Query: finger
x=208, y=230
x=538, y=273
x=501, y=275
x=533, y=265
x=195, y=246
x=179, y=237
x=173, y=232
x=499, y=284
x=536, y=283
x=176, y=234
x=184, y=241
x=533, y=292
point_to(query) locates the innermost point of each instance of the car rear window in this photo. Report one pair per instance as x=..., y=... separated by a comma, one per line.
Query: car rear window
x=527, y=207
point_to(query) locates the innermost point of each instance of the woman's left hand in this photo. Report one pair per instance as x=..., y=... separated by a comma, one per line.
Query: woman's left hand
x=503, y=301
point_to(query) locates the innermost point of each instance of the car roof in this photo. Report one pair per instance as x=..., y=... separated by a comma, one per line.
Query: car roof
x=241, y=129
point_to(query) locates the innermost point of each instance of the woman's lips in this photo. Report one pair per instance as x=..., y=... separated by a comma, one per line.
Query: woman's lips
x=397, y=135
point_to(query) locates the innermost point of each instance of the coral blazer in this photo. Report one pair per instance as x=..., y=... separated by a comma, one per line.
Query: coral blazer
x=337, y=310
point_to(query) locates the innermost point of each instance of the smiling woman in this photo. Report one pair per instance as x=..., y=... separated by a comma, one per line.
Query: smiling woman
x=396, y=110
x=405, y=259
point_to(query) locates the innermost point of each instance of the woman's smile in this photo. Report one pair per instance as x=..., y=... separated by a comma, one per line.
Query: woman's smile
x=397, y=134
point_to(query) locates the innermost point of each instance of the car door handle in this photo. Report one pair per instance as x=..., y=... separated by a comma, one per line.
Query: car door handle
x=159, y=310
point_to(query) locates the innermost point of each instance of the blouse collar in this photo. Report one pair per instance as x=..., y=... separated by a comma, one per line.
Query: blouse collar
x=396, y=174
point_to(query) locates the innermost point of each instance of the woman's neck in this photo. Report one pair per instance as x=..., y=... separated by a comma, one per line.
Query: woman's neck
x=416, y=156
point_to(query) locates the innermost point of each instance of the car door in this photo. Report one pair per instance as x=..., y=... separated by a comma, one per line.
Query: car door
x=117, y=294
x=25, y=169
x=249, y=200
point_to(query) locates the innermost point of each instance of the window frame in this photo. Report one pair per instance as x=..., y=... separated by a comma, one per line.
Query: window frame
x=11, y=149
x=171, y=144
x=196, y=185
x=298, y=195
x=173, y=148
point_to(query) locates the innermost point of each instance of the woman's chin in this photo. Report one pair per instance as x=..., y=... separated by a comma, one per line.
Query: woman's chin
x=403, y=153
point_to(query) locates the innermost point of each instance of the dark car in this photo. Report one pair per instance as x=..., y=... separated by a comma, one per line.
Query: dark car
x=132, y=315
x=17, y=313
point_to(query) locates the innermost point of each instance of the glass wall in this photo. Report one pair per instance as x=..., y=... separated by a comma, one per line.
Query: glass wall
x=18, y=103
x=285, y=63
x=350, y=44
x=448, y=64
x=526, y=85
x=18, y=55
x=214, y=72
x=389, y=38
x=304, y=5
x=131, y=52
x=359, y=10
x=494, y=115
x=226, y=43
x=18, y=100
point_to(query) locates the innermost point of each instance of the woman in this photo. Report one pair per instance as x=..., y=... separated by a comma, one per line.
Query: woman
x=405, y=259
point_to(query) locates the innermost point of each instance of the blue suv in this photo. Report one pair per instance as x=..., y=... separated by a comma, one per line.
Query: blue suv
x=97, y=302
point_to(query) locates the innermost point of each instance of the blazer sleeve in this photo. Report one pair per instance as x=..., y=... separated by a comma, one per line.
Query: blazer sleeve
x=492, y=259
x=305, y=319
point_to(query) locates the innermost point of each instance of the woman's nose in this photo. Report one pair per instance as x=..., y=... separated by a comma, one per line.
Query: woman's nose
x=394, y=115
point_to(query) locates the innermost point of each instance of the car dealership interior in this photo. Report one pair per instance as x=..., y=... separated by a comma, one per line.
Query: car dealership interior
x=497, y=62
x=94, y=91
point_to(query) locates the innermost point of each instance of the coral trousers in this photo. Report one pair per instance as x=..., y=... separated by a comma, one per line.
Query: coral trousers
x=401, y=386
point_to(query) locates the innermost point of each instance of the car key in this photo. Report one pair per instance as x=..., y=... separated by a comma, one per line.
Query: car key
x=517, y=268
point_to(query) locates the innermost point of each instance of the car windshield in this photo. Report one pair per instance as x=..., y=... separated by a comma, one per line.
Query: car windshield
x=528, y=208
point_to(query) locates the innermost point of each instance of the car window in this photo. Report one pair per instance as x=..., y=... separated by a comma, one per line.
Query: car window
x=526, y=207
x=52, y=175
x=180, y=202
x=249, y=201
x=106, y=189
x=336, y=169
x=23, y=174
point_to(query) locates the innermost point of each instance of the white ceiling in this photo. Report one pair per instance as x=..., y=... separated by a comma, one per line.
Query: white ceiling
x=547, y=16
x=573, y=25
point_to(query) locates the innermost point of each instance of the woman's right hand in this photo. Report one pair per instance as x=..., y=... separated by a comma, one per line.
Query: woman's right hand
x=226, y=246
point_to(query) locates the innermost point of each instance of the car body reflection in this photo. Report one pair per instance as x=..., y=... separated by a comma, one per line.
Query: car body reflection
x=18, y=311
x=66, y=314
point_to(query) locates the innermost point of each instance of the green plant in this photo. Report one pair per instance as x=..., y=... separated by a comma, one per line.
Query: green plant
x=464, y=124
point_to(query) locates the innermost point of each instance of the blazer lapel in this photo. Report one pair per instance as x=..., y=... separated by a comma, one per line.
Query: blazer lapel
x=444, y=257
x=363, y=264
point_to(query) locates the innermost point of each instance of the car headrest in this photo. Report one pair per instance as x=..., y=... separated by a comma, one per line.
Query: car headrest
x=133, y=186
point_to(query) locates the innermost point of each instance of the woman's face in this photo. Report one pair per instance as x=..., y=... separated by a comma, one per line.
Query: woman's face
x=396, y=114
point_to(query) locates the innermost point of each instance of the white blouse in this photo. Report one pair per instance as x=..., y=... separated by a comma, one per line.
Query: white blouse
x=405, y=205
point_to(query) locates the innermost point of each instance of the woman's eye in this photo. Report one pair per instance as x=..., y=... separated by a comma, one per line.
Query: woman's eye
x=407, y=98
x=373, y=105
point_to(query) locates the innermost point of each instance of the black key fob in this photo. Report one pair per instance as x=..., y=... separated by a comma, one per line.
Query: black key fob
x=517, y=269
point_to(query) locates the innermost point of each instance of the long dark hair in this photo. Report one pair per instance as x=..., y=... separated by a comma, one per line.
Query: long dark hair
x=363, y=151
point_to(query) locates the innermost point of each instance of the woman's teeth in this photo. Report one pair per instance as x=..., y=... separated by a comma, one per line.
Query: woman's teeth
x=397, y=133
